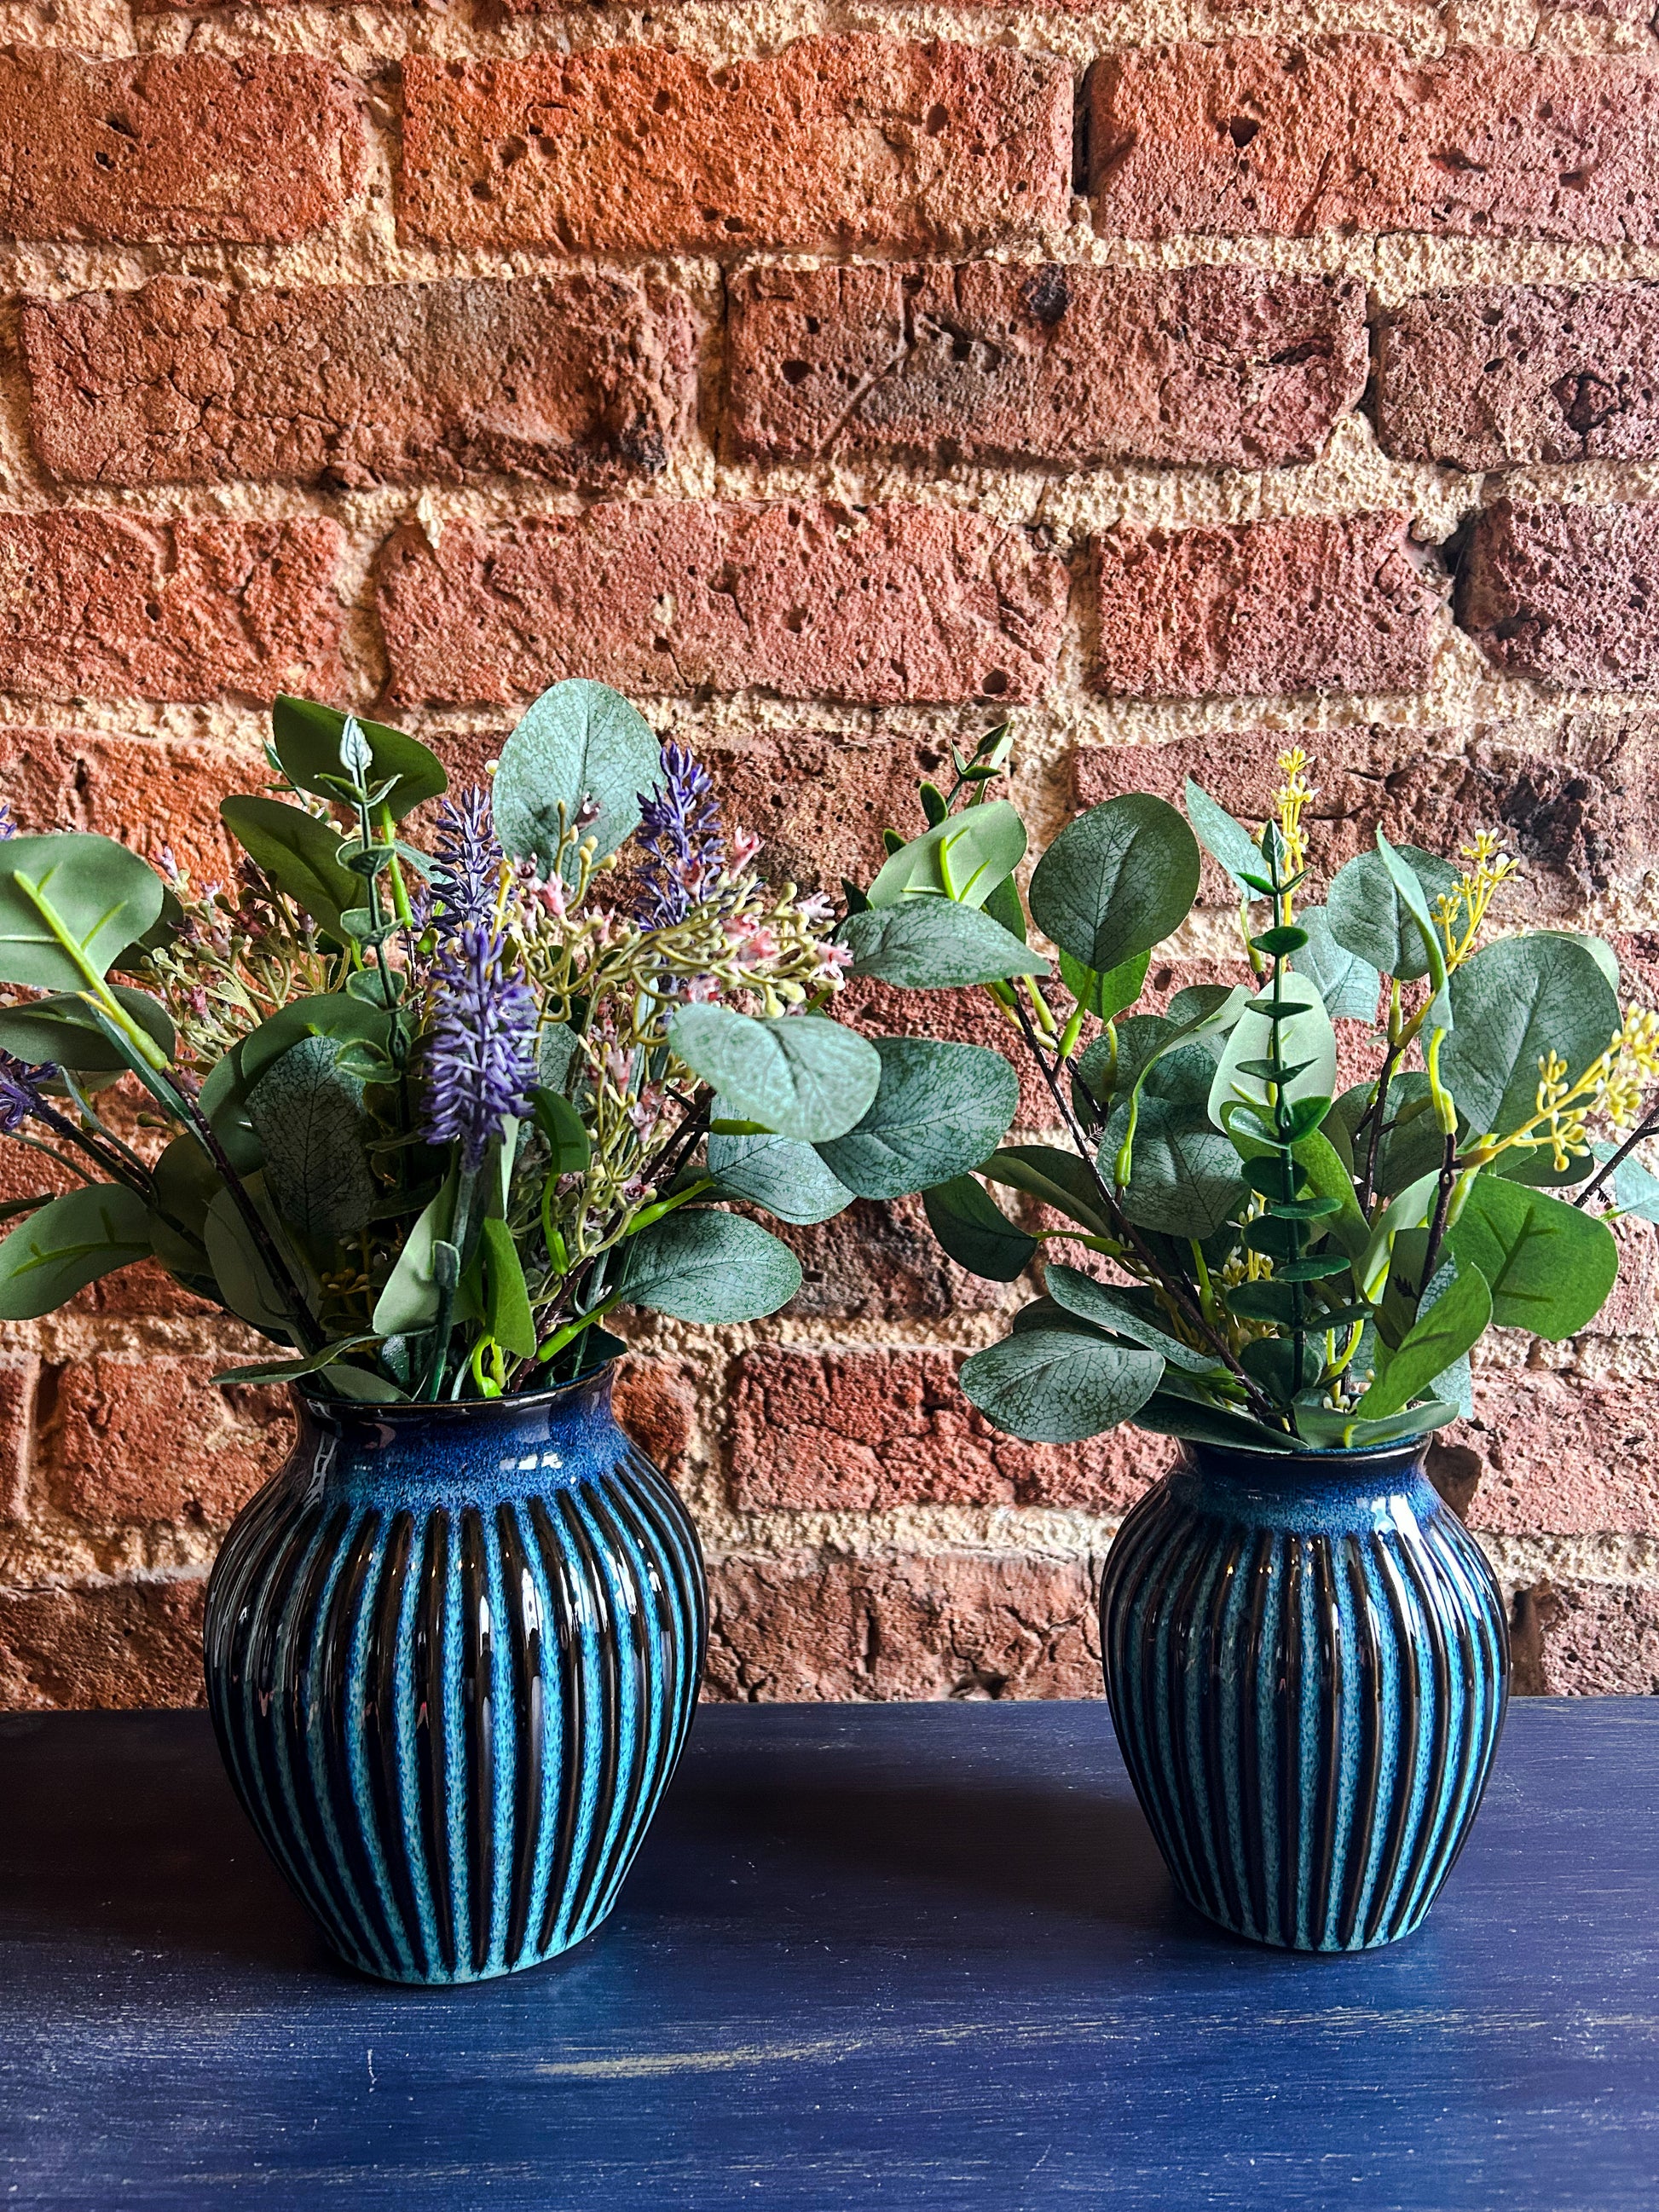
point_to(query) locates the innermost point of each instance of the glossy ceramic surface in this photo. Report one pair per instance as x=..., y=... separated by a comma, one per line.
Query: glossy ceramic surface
x=1308, y=1664
x=453, y=1653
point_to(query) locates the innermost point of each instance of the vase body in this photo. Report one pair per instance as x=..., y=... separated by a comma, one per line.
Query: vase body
x=1308, y=1664
x=452, y=1652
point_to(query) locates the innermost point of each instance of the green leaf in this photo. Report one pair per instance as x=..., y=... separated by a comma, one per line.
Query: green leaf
x=306, y=741
x=1167, y=1413
x=1348, y=984
x=508, y=1316
x=410, y=1300
x=1003, y=906
x=1344, y=1432
x=299, y=855
x=101, y=897
x=800, y=1075
x=556, y=1051
x=1225, y=841
x=933, y=945
x=962, y=859
x=62, y=1029
x=1184, y=1174
x=332, y=1014
x=244, y=1282
x=293, y=1371
x=939, y=1109
x=1412, y=1144
x=1410, y=1209
x=1367, y=915
x=1106, y=995
x=1519, y=999
x=1550, y=1265
x=976, y=1232
x=1635, y=1187
x=579, y=740
x=702, y=1265
x=1117, y=881
x=1112, y=1308
x=1442, y=1334
x=1059, y=1179
x=570, y=1147
x=1409, y=893
x=1053, y=1386
x=307, y=1112
x=780, y=1173
x=1306, y=1042
x=68, y=1243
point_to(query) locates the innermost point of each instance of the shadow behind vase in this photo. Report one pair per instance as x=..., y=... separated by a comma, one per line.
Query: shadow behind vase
x=453, y=1653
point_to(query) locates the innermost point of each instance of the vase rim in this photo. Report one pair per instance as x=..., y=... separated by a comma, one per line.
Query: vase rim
x=1333, y=1460
x=457, y=1410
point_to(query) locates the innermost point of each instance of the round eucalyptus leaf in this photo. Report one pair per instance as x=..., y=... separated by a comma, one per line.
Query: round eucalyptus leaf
x=939, y=1110
x=963, y=859
x=800, y=1075
x=307, y=1112
x=579, y=740
x=704, y=1265
x=327, y=1014
x=306, y=738
x=1516, y=1000
x=976, y=1232
x=780, y=1173
x=1366, y=914
x=301, y=856
x=69, y=903
x=1185, y=1177
x=1056, y=1386
x=1550, y=1265
x=934, y=944
x=1348, y=984
x=1117, y=881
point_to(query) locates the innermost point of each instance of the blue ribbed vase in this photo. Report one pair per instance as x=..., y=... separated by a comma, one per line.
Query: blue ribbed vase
x=1308, y=1664
x=453, y=1653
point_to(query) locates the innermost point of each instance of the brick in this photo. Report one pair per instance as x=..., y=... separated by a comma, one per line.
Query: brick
x=1563, y=595
x=1576, y=801
x=882, y=1262
x=1319, y=602
x=819, y=802
x=1236, y=367
x=1353, y=134
x=20, y=1385
x=834, y=142
x=174, y=147
x=1494, y=375
x=965, y=1016
x=1586, y=1640
x=837, y=1431
x=575, y=379
x=150, y=792
x=136, y=1441
x=1561, y=1454
x=109, y=606
x=949, y=1625
x=655, y=1402
x=893, y=603
x=105, y=1643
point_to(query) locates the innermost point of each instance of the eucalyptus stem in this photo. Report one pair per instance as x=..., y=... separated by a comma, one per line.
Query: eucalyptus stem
x=1284, y=1125
x=1609, y=1167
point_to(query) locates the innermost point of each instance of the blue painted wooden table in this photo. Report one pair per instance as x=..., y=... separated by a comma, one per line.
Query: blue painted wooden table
x=914, y=1956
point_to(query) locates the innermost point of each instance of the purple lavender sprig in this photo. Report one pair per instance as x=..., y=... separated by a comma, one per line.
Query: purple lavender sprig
x=466, y=857
x=681, y=832
x=479, y=1065
x=8, y=820
x=20, y=1090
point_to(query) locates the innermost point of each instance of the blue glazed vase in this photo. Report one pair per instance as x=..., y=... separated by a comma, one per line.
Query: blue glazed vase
x=1308, y=1664
x=453, y=1653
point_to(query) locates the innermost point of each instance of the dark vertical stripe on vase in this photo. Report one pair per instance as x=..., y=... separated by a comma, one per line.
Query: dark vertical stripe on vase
x=524, y=1625
x=431, y=1750
x=478, y=1717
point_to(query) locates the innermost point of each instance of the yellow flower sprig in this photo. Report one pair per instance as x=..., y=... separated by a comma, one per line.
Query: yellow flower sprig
x=1461, y=912
x=1611, y=1086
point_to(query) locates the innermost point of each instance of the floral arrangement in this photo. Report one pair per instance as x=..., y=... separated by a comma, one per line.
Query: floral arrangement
x=425, y=1107
x=1294, y=1264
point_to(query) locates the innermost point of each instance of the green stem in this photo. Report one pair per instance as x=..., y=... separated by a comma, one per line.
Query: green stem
x=561, y=1337
x=460, y=1223
x=1282, y=1123
x=140, y=1039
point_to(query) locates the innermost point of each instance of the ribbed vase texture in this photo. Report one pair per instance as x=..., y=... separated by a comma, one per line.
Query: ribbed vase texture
x=453, y=1653
x=1308, y=1664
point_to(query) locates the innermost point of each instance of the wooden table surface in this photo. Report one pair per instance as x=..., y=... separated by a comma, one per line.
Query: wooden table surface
x=919, y=1956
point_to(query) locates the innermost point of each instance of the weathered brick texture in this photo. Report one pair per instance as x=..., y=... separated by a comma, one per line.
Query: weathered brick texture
x=114, y=607
x=951, y=1625
x=873, y=1429
x=173, y=146
x=1496, y=375
x=153, y=794
x=819, y=804
x=1354, y=134
x=834, y=142
x=573, y=379
x=1320, y=603
x=1564, y=595
x=1233, y=367
x=900, y=603
x=1578, y=1639
x=135, y=1440
x=110, y=1644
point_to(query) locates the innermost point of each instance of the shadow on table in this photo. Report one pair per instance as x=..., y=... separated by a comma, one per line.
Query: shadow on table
x=120, y=1834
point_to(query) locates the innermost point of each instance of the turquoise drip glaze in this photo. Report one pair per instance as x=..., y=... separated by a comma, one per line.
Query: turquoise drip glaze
x=453, y=1653
x=1308, y=1664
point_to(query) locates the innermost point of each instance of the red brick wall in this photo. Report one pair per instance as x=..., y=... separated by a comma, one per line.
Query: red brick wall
x=833, y=379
